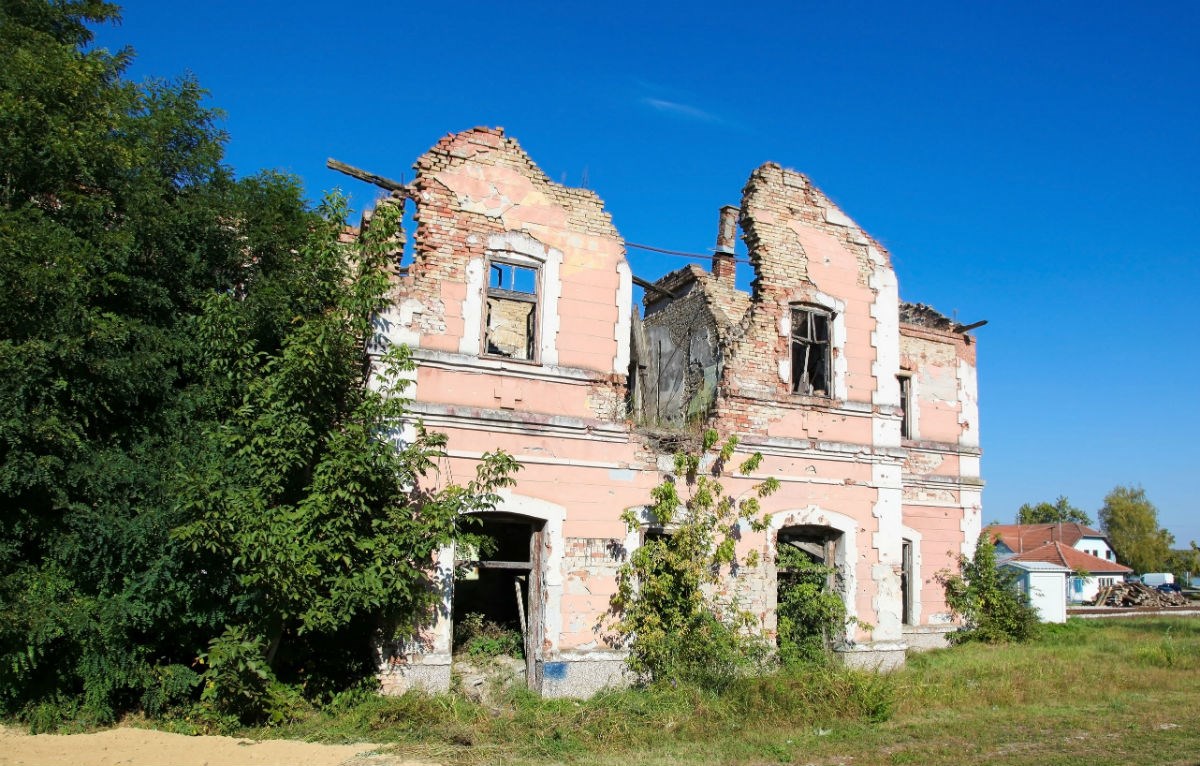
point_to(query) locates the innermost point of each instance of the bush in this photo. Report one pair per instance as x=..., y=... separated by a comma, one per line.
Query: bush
x=483, y=639
x=667, y=608
x=811, y=616
x=172, y=688
x=987, y=600
x=238, y=680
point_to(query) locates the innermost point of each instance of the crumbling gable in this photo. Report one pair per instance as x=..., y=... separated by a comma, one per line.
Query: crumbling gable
x=514, y=271
x=691, y=317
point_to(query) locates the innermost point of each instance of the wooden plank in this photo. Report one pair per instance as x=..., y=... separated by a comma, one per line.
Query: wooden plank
x=364, y=175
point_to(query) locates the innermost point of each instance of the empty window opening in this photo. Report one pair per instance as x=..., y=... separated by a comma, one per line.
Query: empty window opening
x=512, y=308
x=906, y=429
x=906, y=582
x=810, y=612
x=655, y=534
x=656, y=541
x=811, y=352
x=410, y=227
x=497, y=594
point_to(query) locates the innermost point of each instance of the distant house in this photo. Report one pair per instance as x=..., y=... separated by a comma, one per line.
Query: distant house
x=1044, y=584
x=1074, y=546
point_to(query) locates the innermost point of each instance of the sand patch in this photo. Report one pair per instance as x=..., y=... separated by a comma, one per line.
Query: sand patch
x=145, y=747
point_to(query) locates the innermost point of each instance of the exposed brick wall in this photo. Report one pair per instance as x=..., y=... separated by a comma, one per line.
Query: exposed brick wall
x=781, y=210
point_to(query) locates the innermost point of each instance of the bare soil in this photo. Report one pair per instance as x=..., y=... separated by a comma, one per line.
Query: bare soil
x=145, y=747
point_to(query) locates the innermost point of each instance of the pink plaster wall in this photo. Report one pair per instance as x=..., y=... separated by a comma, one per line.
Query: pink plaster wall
x=478, y=184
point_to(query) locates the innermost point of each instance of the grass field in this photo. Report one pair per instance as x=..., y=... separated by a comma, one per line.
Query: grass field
x=1090, y=693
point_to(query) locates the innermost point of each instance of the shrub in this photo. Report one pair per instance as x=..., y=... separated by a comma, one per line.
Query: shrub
x=482, y=639
x=238, y=680
x=811, y=616
x=987, y=600
x=667, y=607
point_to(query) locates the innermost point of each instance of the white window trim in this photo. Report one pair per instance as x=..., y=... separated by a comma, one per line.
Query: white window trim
x=520, y=249
x=837, y=338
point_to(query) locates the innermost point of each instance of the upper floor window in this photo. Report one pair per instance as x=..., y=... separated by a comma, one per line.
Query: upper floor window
x=512, y=311
x=811, y=352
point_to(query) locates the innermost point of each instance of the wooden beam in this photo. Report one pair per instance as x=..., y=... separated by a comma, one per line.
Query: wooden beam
x=645, y=285
x=363, y=175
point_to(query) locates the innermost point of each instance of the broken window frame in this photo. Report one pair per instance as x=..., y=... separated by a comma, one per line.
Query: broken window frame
x=907, y=590
x=811, y=353
x=906, y=404
x=512, y=293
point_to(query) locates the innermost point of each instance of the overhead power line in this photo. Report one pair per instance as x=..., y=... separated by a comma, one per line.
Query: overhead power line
x=682, y=254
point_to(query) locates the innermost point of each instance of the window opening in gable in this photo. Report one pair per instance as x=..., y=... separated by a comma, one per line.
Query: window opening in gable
x=905, y=406
x=811, y=352
x=512, y=308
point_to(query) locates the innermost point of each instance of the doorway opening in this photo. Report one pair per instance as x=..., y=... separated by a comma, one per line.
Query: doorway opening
x=810, y=611
x=497, y=606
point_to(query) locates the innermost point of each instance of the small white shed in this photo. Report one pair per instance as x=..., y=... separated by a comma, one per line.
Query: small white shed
x=1045, y=585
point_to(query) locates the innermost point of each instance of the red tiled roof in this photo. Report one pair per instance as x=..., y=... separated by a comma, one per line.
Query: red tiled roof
x=1064, y=555
x=1020, y=537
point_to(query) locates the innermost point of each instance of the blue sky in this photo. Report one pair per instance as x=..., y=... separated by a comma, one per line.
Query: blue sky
x=1032, y=164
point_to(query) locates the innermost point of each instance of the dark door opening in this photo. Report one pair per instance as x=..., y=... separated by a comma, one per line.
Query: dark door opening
x=498, y=590
x=810, y=612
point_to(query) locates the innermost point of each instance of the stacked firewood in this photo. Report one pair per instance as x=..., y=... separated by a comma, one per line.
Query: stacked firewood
x=1132, y=594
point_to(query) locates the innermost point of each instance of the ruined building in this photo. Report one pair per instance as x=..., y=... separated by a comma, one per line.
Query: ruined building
x=518, y=306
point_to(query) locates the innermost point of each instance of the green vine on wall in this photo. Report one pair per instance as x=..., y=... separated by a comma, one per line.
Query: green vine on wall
x=670, y=608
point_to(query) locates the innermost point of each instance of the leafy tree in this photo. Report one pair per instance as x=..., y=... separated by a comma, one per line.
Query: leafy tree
x=1185, y=562
x=317, y=506
x=1051, y=513
x=986, y=598
x=1130, y=521
x=193, y=451
x=114, y=222
x=669, y=607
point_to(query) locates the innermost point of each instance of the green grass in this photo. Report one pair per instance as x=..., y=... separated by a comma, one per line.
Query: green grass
x=1091, y=693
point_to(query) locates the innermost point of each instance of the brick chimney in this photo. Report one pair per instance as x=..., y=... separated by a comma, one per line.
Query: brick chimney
x=723, y=266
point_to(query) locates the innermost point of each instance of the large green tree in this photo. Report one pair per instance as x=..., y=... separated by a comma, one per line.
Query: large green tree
x=191, y=442
x=114, y=222
x=1130, y=521
x=320, y=509
x=1060, y=510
